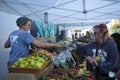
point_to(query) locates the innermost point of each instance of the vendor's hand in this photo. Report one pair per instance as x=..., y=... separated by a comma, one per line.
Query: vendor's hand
x=57, y=45
x=53, y=55
x=117, y=75
x=91, y=60
x=35, y=50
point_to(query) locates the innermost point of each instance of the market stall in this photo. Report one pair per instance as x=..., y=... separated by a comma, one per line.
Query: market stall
x=52, y=63
x=49, y=18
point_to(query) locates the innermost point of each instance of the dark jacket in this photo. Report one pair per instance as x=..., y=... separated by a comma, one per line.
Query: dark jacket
x=61, y=37
x=111, y=53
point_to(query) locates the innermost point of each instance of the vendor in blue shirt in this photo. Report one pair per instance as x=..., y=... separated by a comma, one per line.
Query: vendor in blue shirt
x=20, y=40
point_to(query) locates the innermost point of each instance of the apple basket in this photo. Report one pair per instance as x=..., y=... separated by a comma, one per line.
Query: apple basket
x=38, y=72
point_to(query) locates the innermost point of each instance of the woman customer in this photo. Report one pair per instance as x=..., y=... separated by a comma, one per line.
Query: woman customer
x=102, y=55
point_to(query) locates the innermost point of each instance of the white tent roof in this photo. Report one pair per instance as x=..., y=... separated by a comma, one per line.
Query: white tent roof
x=63, y=11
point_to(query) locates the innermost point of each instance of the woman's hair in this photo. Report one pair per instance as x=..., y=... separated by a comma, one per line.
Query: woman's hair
x=104, y=30
x=22, y=21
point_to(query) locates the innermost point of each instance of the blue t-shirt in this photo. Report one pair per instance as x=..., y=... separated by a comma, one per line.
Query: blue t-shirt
x=19, y=41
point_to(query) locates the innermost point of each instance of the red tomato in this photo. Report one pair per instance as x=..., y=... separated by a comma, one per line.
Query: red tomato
x=90, y=78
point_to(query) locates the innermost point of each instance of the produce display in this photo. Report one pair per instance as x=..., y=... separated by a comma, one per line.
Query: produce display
x=67, y=74
x=76, y=57
x=82, y=70
x=64, y=60
x=56, y=50
x=35, y=60
x=99, y=58
x=48, y=78
x=64, y=43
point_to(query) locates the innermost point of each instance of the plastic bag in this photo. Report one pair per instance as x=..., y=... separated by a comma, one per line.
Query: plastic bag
x=64, y=60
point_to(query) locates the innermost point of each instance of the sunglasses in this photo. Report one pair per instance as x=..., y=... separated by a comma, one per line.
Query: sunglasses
x=95, y=33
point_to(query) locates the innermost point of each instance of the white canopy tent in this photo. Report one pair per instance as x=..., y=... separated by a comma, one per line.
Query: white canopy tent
x=63, y=11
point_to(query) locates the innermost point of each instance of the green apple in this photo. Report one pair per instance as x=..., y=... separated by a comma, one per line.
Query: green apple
x=32, y=63
x=38, y=65
x=20, y=60
x=16, y=64
x=22, y=65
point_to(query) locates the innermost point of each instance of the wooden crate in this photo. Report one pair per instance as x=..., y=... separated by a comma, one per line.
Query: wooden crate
x=20, y=76
x=57, y=77
x=72, y=71
x=64, y=71
x=54, y=76
x=46, y=69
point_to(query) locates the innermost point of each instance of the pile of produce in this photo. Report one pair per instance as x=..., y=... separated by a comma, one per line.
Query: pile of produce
x=35, y=60
x=82, y=70
x=99, y=58
x=76, y=57
x=56, y=50
x=68, y=63
x=48, y=78
x=64, y=43
x=64, y=60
